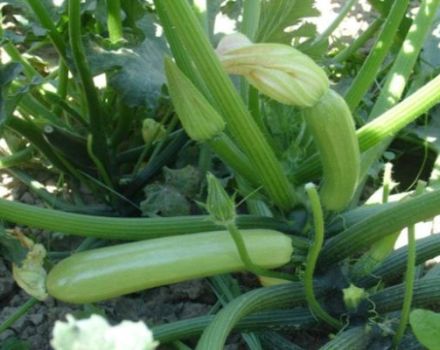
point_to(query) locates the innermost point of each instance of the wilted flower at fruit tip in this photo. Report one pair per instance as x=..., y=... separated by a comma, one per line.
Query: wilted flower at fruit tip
x=218, y=204
x=96, y=333
x=278, y=71
x=30, y=274
x=199, y=119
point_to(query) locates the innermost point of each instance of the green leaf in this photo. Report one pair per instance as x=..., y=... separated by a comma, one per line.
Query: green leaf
x=277, y=15
x=186, y=180
x=164, y=200
x=426, y=327
x=8, y=73
x=136, y=73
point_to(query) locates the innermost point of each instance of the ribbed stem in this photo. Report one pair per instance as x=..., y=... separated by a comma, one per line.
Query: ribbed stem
x=370, y=68
x=282, y=296
x=400, y=74
x=229, y=153
x=379, y=225
x=123, y=228
x=180, y=54
x=251, y=18
x=392, y=267
x=239, y=121
x=404, y=63
x=278, y=319
x=396, y=118
x=46, y=21
x=426, y=292
x=91, y=95
x=114, y=22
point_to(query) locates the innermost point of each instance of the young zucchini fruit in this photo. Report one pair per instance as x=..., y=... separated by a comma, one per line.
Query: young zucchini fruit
x=109, y=272
x=332, y=127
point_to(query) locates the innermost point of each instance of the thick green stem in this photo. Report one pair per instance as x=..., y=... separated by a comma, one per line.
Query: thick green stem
x=403, y=65
x=399, y=75
x=239, y=121
x=124, y=228
x=282, y=319
x=16, y=159
x=282, y=296
x=91, y=95
x=33, y=134
x=312, y=258
x=229, y=153
x=426, y=292
x=180, y=54
x=63, y=80
x=114, y=22
x=371, y=66
x=393, y=267
x=251, y=18
x=22, y=310
x=379, y=225
x=47, y=22
x=396, y=118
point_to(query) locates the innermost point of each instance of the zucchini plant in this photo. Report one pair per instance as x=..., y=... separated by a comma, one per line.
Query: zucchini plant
x=295, y=149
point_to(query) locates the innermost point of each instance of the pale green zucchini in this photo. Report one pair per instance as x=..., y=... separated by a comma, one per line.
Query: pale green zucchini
x=332, y=127
x=109, y=272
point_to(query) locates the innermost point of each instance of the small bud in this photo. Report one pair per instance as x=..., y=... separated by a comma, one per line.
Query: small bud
x=199, y=119
x=353, y=296
x=218, y=204
x=278, y=71
x=152, y=131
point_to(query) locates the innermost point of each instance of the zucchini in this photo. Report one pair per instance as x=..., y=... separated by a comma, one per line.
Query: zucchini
x=331, y=125
x=109, y=272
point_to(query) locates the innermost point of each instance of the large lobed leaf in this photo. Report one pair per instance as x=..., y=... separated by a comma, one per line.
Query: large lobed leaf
x=277, y=15
x=136, y=73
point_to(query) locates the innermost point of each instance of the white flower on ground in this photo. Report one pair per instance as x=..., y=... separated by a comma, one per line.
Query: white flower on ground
x=96, y=333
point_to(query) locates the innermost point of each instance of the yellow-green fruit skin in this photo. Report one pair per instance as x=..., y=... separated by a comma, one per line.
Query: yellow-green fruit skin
x=331, y=125
x=109, y=272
